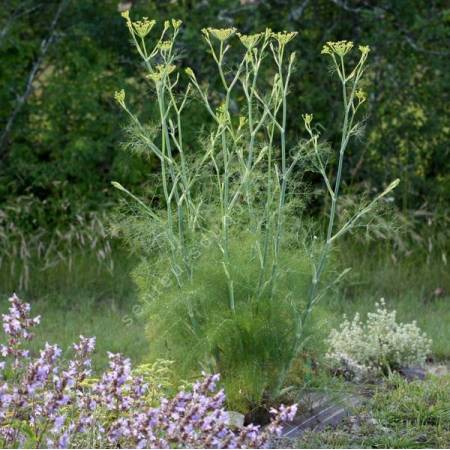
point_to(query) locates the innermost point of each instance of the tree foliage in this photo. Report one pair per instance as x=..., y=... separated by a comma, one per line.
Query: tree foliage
x=63, y=147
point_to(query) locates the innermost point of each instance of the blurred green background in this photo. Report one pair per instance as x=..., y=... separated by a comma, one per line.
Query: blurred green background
x=61, y=133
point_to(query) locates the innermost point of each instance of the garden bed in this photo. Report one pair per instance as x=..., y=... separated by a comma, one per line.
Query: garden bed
x=410, y=409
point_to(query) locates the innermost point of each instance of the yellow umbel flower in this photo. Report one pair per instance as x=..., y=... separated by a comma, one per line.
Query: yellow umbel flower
x=166, y=69
x=143, y=27
x=223, y=116
x=364, y=49
x=176, y=24
x=251, y=40
x=154, y=76
x=307, y=118
x=361, y=95
x=284, y=37
x=189, y=72
x=221, y=34
x=340, y=48
x=119, y=96
x=165, y=45
x=161, y=71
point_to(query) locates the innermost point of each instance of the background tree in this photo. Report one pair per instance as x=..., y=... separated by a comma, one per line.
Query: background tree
x=60, y=129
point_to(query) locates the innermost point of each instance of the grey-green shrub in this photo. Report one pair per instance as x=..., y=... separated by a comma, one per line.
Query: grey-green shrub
x=379, y=345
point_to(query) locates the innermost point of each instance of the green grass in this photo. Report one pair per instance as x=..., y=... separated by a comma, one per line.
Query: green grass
x=90, y=300
x=87, y=300
x=64, y=324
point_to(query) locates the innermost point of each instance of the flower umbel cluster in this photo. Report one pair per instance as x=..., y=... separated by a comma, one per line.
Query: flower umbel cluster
x=377, y=346
x=221, y=34
x=48, y=402
x=143, y=27
x=340, y=48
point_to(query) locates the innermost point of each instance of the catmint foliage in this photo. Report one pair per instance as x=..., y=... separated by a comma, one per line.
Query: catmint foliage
x=46, y=401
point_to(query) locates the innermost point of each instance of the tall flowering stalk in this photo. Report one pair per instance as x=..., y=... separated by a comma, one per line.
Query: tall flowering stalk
x=180, y=214
x=244, y=150
x=47, y=402
x=249, y=144
x=352, y=98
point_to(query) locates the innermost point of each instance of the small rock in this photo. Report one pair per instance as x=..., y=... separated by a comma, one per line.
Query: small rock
x=412, y=373
x=235, y=419
x=438, y=370
x=422, y=438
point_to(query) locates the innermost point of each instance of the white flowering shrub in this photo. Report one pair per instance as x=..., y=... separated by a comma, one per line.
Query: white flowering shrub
x=377, y=346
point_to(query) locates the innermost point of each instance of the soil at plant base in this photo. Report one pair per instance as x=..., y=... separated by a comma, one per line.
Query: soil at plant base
x=259, y=415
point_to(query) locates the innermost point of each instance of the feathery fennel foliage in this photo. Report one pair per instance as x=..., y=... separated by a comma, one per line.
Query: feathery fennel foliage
x=242, y=285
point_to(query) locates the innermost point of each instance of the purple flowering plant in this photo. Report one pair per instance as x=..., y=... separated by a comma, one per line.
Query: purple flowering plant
x=46, y=401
